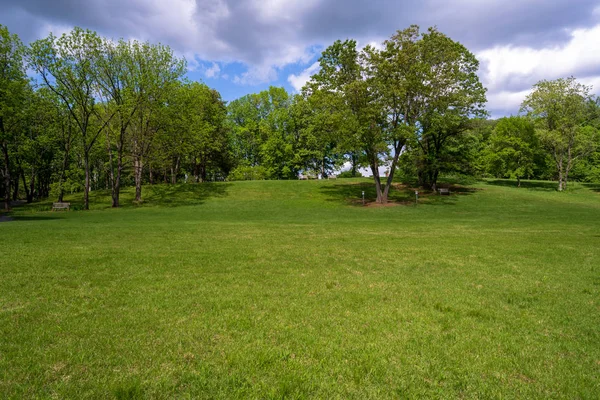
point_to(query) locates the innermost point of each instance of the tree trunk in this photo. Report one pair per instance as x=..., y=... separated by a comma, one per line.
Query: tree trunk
x=381, y=198
x=175, y=170
x=203, y=172
x=6, y=177
x=354, y=161
x=138, y=168
x=30, y=193
x=567, y=169
x=390, y=179
x=434, y=178
x=518, y=181
x=111, y=171
x=15, y=195
x=177, y=167
x=63, y=175
x=560, y=175
x=196, y=170
x=117, y=189
x=86, y=189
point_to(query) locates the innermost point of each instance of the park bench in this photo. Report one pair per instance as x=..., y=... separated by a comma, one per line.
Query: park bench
x=331, y=176
x=302, y=177
x=61, y=206
x=444, y=191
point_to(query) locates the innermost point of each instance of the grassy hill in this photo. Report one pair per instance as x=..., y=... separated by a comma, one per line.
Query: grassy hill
x=282, y=289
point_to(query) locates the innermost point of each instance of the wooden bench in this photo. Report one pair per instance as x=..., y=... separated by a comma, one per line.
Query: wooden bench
x=61, y=206
x=331, y=176
x=444, y=192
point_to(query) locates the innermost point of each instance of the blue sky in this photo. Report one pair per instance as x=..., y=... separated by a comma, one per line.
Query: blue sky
x=223, y=80
x=244, y=46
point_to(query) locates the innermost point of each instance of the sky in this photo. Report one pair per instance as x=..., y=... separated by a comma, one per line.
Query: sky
x=245, y=46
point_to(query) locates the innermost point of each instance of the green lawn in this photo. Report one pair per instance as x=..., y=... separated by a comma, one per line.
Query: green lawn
x=293, y=290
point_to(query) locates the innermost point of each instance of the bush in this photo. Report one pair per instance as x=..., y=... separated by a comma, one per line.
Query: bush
x=248, y=173
x=348, y=174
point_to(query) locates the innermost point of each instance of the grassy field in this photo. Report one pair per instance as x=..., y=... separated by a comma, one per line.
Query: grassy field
x=294, y=290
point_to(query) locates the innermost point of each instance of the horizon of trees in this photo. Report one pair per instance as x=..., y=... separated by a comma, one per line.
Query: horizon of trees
x=104, y=114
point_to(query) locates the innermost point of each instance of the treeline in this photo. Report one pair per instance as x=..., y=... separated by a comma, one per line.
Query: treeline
x=103, y=114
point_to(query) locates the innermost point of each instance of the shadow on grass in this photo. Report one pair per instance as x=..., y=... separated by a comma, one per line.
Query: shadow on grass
x=546, y=186
x=182, y=194
x=162, y=195
x=351, y=194
x=35, y=218
x=594, y=187
x=436, y=199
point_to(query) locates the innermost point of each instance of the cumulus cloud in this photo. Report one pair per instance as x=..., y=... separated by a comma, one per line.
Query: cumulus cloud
x=298, y=81
x=213, y=71
x=509, y=71
x=256, y=75
x=518, y=41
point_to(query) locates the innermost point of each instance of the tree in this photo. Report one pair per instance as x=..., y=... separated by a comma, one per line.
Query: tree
x=157, y=72
x=13, y=87
x=436, y=96
x=561, y=114
x=315, y=129
x=263, y=133
x=67, y=66
x=37, y=147
x=196, y=131
x=118, y=80
x=422, y=87
x=512, y=148
x=349, y=85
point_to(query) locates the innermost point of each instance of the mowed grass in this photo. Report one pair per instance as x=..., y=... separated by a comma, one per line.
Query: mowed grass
x=293, y=290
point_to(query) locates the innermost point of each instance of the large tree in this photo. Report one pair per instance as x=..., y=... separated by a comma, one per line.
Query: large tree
x=350, y=86
x=420, y=86
x=118, y=78
x=13, y=90
x=511, y=150
x=560, y=110
x=67, y=66
x=263, y=133
x=316, y=128
x=196, y=134
x=157, y=72
x=438, y=96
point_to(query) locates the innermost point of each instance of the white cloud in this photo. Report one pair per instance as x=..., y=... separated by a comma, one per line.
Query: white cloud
x=256, y=75
x=509, y=71
x=522, y=41
x=213, y=71
x=298, y=81
x=503, y=103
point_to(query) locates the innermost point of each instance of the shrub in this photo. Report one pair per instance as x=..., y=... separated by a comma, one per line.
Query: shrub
x=348, y=174
x=247, y=173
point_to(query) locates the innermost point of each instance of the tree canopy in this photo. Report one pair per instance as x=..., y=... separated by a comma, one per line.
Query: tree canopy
x=103, y=114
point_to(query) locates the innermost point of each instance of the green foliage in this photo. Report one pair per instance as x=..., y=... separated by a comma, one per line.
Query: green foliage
x=196, y=136
x=248, y=173
x=511, y=150
x=265, y=132
x=444, y=95
x=562, y=111
x=13, y=92
x=420, y=91
x=350, y=174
